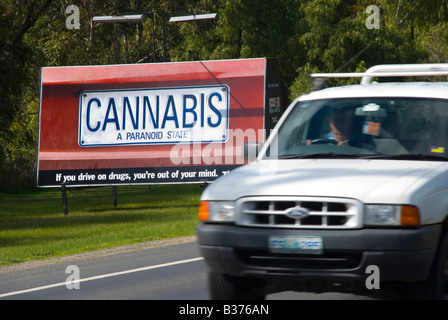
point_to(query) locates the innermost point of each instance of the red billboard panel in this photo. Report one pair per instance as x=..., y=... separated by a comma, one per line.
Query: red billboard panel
x=152, y=123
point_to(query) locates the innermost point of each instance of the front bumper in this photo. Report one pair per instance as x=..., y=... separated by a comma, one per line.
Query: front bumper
x=400, y=255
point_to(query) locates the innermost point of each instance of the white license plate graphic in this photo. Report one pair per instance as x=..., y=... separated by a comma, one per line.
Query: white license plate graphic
x=154, y=116
x=291, y=244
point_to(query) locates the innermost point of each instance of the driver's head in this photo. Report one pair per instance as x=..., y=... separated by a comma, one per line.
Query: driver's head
x=342, y=124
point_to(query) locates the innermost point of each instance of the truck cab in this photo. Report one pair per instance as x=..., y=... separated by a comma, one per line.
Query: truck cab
x=352, y=179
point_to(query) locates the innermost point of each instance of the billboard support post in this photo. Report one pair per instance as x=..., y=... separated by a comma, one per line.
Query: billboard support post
x=64, y=199
x=115, y=195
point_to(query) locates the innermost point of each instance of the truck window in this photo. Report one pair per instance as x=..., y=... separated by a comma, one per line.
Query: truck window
x=364, y=126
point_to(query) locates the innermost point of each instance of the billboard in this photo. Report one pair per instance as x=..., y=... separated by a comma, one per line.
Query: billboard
x=152, y=123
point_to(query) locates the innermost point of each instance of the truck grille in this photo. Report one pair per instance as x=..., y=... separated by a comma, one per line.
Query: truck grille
x=326, y=213
x=331, y=260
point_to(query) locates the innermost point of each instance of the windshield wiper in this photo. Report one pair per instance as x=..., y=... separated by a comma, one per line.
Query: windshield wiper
x=323, y=155
x=423, y=157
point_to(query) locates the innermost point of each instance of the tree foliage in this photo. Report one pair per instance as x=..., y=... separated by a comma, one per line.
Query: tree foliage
x=305, y=35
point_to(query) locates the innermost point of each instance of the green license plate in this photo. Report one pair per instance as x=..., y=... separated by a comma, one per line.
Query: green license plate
x=291, y=244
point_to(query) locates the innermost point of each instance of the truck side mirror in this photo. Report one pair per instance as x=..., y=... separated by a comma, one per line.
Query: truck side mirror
x=251, y=150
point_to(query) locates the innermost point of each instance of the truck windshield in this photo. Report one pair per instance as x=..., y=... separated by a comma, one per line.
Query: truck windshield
x=401, y=128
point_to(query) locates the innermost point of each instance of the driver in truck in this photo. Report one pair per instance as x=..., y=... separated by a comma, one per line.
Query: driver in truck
x=342, y=126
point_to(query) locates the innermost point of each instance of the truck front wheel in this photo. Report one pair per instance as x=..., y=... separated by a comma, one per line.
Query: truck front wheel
x=226, y=287
x=436, y=286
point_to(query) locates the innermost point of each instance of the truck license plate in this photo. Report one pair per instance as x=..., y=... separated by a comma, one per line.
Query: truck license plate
x=291, y=244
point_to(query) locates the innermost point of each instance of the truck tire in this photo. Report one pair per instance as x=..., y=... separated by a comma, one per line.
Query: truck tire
x=226, y=287
x=436, y=286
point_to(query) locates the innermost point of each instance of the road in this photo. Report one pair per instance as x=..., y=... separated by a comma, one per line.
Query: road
x=168, y=271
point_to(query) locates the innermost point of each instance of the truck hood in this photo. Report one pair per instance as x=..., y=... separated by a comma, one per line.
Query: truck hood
x=370, y=181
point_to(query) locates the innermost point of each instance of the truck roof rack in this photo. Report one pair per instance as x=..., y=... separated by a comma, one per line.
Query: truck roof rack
x=390, y=70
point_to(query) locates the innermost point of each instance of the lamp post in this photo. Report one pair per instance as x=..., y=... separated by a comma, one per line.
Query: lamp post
x=117, y=19
x=137, y=17
x=187, y=18
x=123, y=18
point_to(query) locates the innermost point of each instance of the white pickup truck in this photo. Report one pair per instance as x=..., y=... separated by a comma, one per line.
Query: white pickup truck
x=349, y=193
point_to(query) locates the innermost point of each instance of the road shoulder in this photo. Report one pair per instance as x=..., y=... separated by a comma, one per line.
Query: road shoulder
x=99, y=253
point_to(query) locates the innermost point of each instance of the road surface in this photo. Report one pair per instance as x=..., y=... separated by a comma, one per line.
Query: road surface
x=165, y=270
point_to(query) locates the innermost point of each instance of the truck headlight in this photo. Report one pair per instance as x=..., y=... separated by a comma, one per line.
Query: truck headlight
x=217, y=211
x=392, y=215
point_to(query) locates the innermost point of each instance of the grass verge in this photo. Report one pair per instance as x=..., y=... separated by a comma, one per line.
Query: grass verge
x=33, y=226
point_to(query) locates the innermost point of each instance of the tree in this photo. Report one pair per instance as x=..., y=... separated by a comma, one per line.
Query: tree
x=16, y=19
x=246, y=29
x=337, y=39
x=305, y=35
